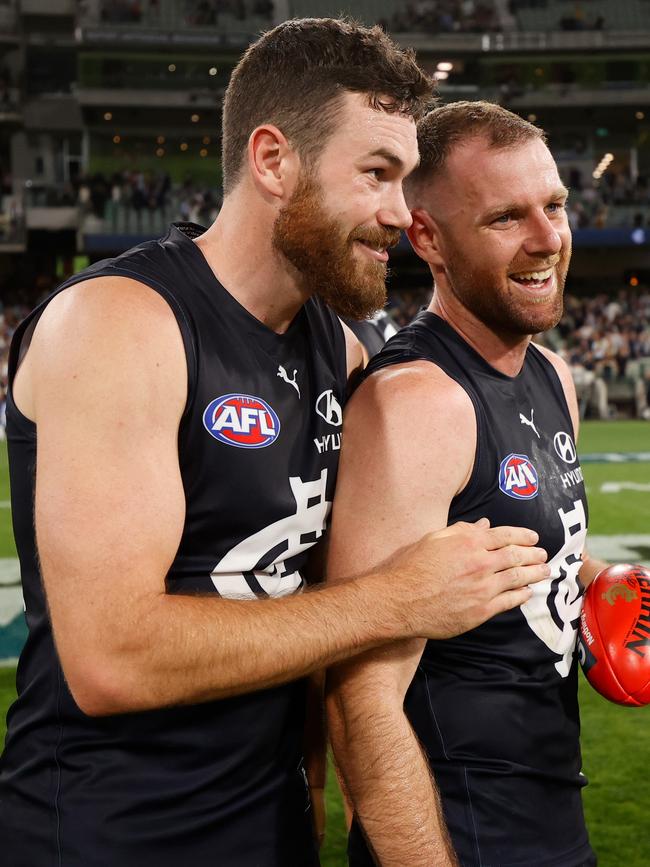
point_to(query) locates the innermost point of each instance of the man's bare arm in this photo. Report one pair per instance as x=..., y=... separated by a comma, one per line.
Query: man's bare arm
x=423, y=433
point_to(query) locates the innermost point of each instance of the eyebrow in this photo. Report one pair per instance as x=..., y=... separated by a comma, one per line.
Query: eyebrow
x=392, y=158
x=558, y=193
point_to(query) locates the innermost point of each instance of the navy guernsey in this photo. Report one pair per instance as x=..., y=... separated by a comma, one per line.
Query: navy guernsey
x=219, y=783
x=496, y=709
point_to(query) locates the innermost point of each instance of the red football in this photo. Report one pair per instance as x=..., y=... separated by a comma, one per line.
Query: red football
x=614, y=639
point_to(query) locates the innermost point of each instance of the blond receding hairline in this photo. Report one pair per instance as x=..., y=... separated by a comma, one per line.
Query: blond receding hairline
x=459, y=123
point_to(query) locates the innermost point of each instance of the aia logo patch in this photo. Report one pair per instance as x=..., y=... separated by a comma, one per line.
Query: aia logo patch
x=518, y=477
x=241, y=420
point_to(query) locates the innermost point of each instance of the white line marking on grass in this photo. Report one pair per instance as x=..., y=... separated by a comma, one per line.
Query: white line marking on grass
x=9, y=571
x=614, y=457
x=620, y=549
x=617, y=487
x=11, y=596
x=5, y=504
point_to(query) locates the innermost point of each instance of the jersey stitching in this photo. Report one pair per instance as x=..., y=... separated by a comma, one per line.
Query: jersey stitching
x=471, y=812
x=433, y=714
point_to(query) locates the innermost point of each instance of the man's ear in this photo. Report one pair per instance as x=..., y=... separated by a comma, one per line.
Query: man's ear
x=272, y=162
x=424, y=237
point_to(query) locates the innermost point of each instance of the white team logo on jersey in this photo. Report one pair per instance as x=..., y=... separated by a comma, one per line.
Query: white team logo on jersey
x=529, y=422
x=282, y=373
x=554, y=609
x=328, y=407
x=260, y=560
x=564, y=447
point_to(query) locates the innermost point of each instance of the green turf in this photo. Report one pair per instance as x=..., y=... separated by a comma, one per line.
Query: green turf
x=614, y=436
x=624, y=512
x=616, y=751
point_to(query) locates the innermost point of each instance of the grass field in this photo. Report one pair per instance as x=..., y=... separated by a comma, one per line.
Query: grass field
x=616, y=741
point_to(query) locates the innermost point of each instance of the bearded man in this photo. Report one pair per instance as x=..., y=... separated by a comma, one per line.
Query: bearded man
x=181, y=405
x=491, y=422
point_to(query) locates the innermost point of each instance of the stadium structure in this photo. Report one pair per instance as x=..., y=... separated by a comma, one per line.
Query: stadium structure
x=110, y=125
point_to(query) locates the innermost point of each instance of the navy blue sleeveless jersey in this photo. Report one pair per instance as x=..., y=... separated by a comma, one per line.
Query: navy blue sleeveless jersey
x=220, y=783
x=496, y=709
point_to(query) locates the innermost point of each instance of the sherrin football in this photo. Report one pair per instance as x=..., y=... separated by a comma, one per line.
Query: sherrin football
x=614, y=638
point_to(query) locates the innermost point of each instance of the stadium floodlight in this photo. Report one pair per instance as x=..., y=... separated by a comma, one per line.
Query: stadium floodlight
x=440, y=75
x=445, y=66
x=212, y=70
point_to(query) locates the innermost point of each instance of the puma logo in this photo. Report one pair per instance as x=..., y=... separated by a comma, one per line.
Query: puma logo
x=529, y=422
x=282, y=373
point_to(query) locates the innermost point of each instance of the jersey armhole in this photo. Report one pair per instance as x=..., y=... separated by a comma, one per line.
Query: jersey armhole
x=26, y=329
x=554, y=380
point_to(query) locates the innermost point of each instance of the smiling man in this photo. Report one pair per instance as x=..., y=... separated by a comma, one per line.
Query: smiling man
x=181, y=407
x=491, y=423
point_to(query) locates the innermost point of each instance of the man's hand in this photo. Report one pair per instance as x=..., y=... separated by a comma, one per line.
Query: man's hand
x=455, y=579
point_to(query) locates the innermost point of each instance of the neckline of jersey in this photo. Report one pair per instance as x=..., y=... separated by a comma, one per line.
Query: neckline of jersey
x=186, y=233
x=428, y=314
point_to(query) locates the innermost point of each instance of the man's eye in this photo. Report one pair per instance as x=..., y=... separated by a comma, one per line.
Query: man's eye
x=554, y=207
x=375, y=172
x=504, y=218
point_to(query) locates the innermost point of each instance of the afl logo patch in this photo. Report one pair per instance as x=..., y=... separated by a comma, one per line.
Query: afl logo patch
x=518, y=477
x=241, y=420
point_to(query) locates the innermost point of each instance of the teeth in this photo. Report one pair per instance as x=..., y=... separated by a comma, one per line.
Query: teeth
x=533, y=275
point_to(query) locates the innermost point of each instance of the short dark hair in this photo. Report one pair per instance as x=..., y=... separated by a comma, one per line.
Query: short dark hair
x=447, y=125
x=295, y=75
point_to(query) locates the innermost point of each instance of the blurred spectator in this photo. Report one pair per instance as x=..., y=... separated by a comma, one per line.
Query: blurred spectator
x=445, y=16
x=606, y=342
x=608, y=203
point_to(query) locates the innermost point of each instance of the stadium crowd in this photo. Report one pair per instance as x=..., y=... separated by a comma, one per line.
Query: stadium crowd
x=444, y=16
x=139, y=193
x=195, y=13
x=616, y=201
x=606, y=342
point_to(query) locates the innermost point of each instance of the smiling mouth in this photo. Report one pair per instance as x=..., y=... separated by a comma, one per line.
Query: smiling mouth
x=534, y=281
x=379, y=254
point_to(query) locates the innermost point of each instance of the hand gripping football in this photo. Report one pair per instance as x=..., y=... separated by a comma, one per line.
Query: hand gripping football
x=614, y=639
